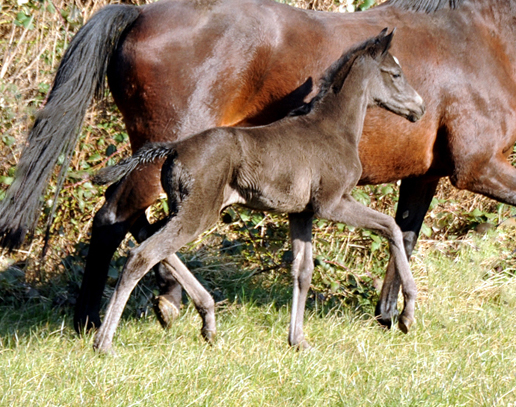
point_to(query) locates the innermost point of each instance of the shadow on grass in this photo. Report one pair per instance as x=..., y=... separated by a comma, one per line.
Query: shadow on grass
x=233, y=271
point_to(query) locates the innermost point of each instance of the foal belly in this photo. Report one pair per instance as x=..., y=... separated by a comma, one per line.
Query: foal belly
x=290, y=197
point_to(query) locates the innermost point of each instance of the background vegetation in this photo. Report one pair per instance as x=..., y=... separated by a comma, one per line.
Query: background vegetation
x=462, y=351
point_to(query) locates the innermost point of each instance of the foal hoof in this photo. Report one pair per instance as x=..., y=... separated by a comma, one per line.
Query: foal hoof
x=103, y=347
x=303, y=346
x=405, y=323
x=383, y=318
x=165, y=310
x=209, y=335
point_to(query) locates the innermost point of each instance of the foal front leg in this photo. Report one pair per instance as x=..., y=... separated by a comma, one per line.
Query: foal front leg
x=415, y=197
x=349, y=211
x=302, y=270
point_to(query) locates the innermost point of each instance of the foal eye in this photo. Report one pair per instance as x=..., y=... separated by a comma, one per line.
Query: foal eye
x=396, y=75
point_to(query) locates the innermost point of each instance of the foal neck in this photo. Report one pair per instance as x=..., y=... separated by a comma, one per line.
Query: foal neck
x=342, y=114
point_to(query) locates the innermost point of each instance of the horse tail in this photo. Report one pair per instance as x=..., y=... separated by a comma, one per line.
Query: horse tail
x=147, y=154
x=80, y=77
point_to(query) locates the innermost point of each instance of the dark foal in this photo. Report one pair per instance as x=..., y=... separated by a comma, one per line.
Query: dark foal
x=304, y=165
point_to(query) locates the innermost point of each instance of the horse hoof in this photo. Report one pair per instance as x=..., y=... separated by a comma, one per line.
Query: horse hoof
x=383, y=318
x=86, y=325
x=405, y=323
x=103, y=347
x=384, y=322
x=165, y=311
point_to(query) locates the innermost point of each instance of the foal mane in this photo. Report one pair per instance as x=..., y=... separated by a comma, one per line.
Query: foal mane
x=427, y=6
x=333, y=77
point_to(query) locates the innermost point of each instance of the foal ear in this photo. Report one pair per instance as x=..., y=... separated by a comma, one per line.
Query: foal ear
x=383, y=43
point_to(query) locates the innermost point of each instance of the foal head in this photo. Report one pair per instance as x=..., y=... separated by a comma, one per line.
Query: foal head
x=383, y=79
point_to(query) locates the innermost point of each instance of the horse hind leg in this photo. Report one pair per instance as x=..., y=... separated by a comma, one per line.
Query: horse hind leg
x=302, y=270
x=355, y=214
x=201, y=298
x=159, y=247
x=139, y=262
x=125, y=203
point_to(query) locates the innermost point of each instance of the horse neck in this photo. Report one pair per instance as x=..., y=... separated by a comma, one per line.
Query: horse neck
x=342, y=115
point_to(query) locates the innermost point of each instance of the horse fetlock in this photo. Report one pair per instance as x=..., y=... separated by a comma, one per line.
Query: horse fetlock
x=102, y=344
x=296, y=339
x=302, y=345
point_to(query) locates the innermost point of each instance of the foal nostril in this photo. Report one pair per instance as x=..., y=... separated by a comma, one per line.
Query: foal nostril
x=423, y=109
x=420, y=110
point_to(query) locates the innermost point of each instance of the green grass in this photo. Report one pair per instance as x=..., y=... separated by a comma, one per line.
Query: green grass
x=461, y=352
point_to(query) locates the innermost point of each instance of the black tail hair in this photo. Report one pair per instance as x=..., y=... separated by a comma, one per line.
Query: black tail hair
x=80, y=77
x=147, y=154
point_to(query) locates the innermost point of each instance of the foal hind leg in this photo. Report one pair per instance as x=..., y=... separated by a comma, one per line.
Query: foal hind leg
x=348, y=211
x=167, y=304
x=201, y=298
x=302, y=270
x=415, y=197
x=125, y=203
x=161, y=246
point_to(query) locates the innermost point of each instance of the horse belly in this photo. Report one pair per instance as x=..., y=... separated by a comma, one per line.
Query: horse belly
x=391, y=148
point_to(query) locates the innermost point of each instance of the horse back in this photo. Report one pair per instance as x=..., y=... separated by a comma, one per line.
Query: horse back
x=189, y=65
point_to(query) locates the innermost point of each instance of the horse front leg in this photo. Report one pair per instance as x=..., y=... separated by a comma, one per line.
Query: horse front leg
x=139, y=262
x=493, y=177
x=348, y=211
x=415, y=197
x=302, y=270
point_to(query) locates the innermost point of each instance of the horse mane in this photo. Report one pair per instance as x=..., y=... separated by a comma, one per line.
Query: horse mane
x=427, y=6
x=341, y=66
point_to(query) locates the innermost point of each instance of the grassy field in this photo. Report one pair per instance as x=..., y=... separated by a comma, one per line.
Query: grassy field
x=462, y=352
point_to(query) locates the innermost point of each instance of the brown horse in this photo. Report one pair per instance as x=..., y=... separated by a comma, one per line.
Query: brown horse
x=177, y=67
x=305, y=165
